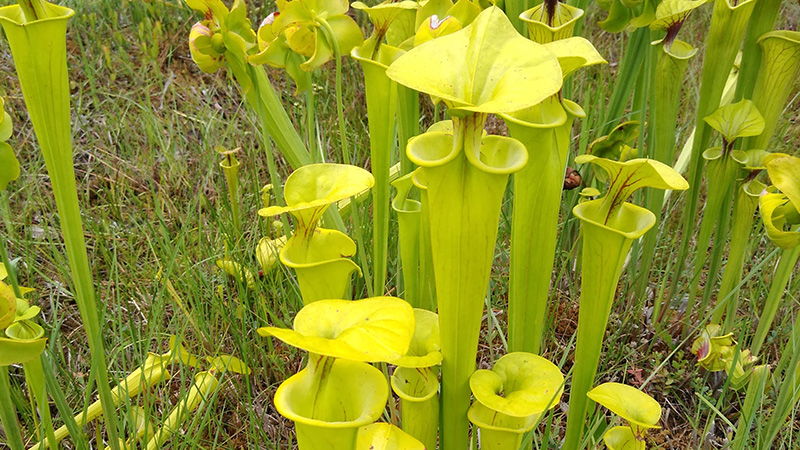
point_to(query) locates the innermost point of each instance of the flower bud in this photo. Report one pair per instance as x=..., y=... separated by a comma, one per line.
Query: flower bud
x=205, y=52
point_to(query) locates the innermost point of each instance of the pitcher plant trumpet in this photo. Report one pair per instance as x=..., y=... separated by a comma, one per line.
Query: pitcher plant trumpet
x=511, y=398
x=37, y=37
x=416, y=380
x=609, y=226
x=486, y=67
x=318, y=255
x=640, y=410
x=338, y=392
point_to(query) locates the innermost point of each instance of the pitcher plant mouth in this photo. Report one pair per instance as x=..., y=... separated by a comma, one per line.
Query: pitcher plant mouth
x=361, y=393
x=630, y=222
x=322, y=246
x=15, y=15
x=497, y=155
x=547, y=24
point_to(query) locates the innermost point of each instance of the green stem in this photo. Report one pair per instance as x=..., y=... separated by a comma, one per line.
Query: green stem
x=762, y=20
x=8, y=414
x=269, y=111
x=407, y=123
x=605, y=249
x=788, y=390
x=275, y=122
x=723, y=225
x=743, y=213
x=355, y=214
x=754, y=397
x=721, y=182
x=311, y=123
x=39, y=50
x=513, y=9
x=466, y=177
x=545, y=131
x=783, y=272
x=230, y=168
x=331, y=37
x=33, y=9
x=34, y=375
x=728, y=25
x=381, y=93
x=626, y=78
x=669, y=71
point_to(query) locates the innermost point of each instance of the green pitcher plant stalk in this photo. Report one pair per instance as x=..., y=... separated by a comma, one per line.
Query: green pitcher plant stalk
x=762, y=20
x=416, y=380
x=545, y=131
x=318, y=255
x=744, y=209
x=381, y=94
x=609, y=225
x=409, y=224
x=748, y=192
x=780, y=65
x=670, y=70
x=338, y=392
x=230, y=168
x=756, y=388
x=394, y=22
x=777, y=290
x=38, y=46
x=225, y=38
x=734, y=121
x=511, y=398
x=728, y=25
x=486, y=67
x=427, y=286
x=640, y=410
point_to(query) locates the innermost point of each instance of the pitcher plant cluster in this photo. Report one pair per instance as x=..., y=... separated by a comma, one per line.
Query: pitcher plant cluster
x=395, y=365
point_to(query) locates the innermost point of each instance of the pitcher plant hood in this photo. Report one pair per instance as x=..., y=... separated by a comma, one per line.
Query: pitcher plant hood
x=370, y=330
x=311, y=189
x=487, y=67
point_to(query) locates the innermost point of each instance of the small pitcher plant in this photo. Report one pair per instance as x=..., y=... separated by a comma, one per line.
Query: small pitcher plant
x=640, y=410
x=319, y=255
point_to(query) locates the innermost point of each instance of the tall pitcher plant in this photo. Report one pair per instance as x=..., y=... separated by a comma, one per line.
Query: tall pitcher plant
x=338, y=392
x=487, y=67
x=319, y=255
x=609, y=226
x=36, y=32
x=728, y=25
x=670, y=70
x=545, y=131
x=375, y=56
